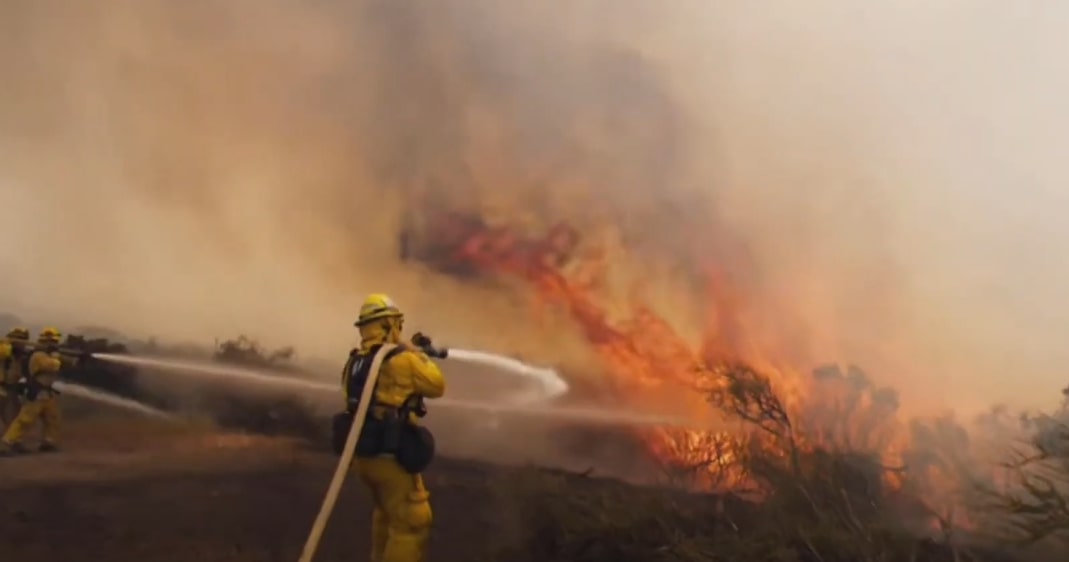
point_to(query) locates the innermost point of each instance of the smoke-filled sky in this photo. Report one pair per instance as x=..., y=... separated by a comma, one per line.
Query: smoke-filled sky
x=197, y=169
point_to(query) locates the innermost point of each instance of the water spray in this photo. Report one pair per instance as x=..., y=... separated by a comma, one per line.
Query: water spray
x=550, y=381
x=579, y=414
x=110, y=399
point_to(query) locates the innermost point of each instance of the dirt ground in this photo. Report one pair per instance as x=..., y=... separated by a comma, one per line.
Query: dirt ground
x=129, y=488
x=125, y=488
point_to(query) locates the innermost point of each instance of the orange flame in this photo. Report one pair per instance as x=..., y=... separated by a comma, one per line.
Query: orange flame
x=643, y=351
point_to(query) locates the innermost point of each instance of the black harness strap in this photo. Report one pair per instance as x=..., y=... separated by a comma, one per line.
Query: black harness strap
x=358, y=368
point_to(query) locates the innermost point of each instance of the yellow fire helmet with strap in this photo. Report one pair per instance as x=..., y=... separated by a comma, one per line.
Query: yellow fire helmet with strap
x=49, y=336
x=377, y=306
x=18, y=334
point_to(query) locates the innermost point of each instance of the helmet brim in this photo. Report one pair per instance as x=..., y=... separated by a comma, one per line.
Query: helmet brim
x=377, y=316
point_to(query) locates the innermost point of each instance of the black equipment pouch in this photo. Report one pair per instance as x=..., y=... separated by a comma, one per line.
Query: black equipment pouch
x=416, y=450
x=339, y=431
x=30, y=390
x=391, y=429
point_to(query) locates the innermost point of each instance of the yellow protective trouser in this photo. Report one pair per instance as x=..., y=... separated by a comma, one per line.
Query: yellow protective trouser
x=401, y=522
x=9, y=407
x=45, y=408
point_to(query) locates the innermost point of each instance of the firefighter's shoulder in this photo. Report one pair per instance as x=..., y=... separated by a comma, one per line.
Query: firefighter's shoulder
x=43, y=360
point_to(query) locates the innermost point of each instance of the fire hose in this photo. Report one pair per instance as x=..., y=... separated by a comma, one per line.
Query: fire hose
x=327, y=508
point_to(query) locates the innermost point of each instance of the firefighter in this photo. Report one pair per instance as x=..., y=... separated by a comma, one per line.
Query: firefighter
x=39, y=398
x=401, y=520
x=14, y=355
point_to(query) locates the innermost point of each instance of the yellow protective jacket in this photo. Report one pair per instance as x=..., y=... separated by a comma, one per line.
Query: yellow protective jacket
x=44, y=368
x=408, y=372
x=11, y=365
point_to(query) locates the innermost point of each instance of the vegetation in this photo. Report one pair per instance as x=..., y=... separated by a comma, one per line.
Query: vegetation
x=818, y=488
x=1032, y=499
x=567, y=517
x=267, y=414
x=248, y=352
x=818, y=503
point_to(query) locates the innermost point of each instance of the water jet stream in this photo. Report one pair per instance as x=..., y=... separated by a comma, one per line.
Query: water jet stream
x=110, y=399
x=552, y=384
x=569, y=413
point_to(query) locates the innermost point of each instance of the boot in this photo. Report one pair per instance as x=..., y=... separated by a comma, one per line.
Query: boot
x=13, y=450
x=47, y=447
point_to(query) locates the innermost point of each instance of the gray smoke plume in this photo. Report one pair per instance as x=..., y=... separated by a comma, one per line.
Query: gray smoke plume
x=885, y=179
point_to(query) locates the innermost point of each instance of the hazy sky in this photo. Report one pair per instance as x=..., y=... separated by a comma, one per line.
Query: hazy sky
x=196, y=169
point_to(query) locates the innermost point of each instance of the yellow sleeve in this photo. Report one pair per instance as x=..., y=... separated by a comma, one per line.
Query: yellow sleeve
x=42, y=363
x=427, y=378
x=5, y=350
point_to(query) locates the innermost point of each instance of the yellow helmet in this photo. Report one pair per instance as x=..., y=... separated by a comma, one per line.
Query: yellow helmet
x=18, y=334
x=49, y=335
x=377, y=306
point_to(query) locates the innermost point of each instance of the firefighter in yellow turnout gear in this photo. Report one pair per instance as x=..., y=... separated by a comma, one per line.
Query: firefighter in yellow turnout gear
x=40, y=402
x=14, y=357
x=402, y=517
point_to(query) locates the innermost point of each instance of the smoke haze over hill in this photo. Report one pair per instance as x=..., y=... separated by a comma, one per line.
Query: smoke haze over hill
x=887, y=179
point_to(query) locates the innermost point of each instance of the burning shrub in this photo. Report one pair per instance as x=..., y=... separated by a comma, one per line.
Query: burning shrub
x=825, y=487
x=1033, y=501
x=558, y=516
x=826, y=450
x=844, y=411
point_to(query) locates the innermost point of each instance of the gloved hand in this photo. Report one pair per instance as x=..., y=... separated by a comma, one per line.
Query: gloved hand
x=424, y=343
x=421, y=340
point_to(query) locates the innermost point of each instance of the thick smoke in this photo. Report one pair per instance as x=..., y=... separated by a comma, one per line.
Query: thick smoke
x=883, y=179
